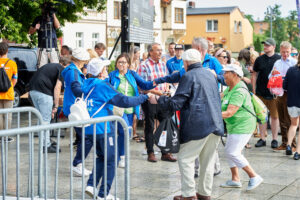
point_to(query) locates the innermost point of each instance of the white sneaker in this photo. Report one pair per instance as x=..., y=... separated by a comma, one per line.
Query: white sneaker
x=122, y=162
x=108, y=197
x=254, y=182
x=89, y=190
x=144, y=152
x=78, y=170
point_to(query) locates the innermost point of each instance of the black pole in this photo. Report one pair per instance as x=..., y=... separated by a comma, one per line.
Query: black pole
x=112, y=52
x=124, y=27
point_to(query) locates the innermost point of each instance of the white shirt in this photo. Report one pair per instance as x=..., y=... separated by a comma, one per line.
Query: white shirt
x=283, y=65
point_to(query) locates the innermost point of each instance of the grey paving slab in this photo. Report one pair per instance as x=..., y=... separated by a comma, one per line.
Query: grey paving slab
x=161, y=180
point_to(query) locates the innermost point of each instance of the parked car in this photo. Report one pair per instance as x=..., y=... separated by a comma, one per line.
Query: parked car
x=26, y=59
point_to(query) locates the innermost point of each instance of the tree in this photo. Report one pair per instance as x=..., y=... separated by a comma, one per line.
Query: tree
x=258, y=38
x=16, y=16
x=250, y=18
x=279, y=30
x=292, y=29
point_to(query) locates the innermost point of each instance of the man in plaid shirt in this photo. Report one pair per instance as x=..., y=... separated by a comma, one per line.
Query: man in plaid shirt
x=149, y=70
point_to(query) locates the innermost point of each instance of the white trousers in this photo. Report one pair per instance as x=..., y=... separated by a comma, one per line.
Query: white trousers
x=204, y=149
x=235, y=143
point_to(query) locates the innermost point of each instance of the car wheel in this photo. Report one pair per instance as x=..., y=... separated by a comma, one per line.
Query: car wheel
x=17, y=98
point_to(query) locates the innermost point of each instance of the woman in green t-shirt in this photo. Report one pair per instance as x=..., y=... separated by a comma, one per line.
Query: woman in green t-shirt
x=240, y=126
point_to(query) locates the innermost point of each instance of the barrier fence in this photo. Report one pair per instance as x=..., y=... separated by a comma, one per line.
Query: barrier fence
x=43, y=175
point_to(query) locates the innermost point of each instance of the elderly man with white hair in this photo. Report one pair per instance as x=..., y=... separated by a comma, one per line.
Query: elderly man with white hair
x=201, y=125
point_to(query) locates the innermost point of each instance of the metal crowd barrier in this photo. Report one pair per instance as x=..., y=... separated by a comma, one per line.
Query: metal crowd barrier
x=43, y=175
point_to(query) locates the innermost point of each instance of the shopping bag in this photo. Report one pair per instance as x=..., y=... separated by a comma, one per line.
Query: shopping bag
x=166, y=136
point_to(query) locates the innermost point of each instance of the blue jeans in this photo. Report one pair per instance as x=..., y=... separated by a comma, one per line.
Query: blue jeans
x=43, y=103
x=121, y=137
x=100, y=162
x=87, y=146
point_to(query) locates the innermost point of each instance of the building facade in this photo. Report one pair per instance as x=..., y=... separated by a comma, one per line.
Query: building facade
x=224, y=26
x=259, y=27
x=169, y=26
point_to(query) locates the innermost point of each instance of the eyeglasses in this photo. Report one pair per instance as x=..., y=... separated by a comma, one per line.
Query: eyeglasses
x=294, y=54
x=224, y=57
x=122, y=62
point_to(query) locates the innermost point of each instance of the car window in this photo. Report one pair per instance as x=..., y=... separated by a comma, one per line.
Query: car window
x=26, y=59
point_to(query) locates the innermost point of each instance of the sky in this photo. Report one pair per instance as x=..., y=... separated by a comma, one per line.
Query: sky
x=253, y=7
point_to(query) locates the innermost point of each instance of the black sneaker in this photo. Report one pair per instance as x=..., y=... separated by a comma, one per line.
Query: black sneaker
x=274, y=144
x=51, y=149
x=296, y=156
x=196, y=175
x=217, y=173
x=260, y=143
x=288, y=150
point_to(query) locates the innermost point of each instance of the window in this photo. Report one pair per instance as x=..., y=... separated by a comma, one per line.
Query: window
x=165, y=15
x=117, y=10
x=235, y=26
x=178, y=15
x=95, y=39
x=79, y=39
x=261, y=31
x=240, y=26
x=212, y=26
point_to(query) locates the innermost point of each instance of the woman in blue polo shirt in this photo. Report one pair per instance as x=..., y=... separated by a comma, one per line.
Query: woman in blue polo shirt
x=104, y=93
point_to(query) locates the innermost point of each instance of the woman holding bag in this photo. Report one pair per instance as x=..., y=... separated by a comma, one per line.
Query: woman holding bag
x=126, y=82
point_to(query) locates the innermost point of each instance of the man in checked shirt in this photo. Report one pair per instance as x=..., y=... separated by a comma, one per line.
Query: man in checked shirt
x=149, y=70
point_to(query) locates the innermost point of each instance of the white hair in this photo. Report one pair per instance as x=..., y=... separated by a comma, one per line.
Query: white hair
x=201, y=42
x=191, y=55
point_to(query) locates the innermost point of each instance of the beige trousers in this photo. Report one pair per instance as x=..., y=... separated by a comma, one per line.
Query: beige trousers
x=205, y=149
x=5, y=104
x=52, y=56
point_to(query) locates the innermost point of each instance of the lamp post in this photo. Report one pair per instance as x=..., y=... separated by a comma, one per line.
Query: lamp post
x=270, y=14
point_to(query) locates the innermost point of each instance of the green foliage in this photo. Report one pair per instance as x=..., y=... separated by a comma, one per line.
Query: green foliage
x=112, y=66
x=284, y=29
x=16, y=16
x=250, y=18
x=257, y=38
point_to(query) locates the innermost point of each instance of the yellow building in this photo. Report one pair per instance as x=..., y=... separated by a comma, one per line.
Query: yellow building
x=224, y=26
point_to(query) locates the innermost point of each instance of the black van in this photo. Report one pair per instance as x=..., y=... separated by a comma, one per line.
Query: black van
x=26, y=59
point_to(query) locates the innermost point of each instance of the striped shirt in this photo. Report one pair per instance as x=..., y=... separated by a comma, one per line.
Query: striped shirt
x=150, y=70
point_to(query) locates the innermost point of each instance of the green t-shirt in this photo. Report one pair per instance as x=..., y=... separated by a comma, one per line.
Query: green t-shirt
x=242, y=122
x=130, y=91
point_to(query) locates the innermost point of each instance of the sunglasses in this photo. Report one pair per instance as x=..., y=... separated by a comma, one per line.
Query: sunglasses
x=294, y=54
x=224, y=57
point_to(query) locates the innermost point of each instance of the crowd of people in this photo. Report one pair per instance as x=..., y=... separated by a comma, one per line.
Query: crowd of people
x=211, y=89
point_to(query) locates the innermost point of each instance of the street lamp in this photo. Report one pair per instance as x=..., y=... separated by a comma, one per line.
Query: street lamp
x=270, y=14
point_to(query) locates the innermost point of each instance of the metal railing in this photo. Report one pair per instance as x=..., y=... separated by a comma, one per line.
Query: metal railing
x=43, y=157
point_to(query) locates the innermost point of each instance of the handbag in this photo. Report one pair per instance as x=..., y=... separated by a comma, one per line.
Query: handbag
x=117, y=110
x=166, y=136
x=5, y=83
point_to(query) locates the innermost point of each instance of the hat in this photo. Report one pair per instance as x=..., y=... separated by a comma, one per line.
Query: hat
x=179, y=46
x=234, y=68
x=96, y=65
x=81, y=54
x=192, y=55
x=269, y=41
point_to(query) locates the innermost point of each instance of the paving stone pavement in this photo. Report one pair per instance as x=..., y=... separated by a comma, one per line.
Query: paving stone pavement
x=161, y=180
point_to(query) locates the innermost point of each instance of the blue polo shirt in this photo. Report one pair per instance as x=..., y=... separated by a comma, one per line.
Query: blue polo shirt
x=212, y=63
x=174, y=64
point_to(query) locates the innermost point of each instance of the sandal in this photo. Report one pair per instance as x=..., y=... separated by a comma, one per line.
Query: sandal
x=248, y=146
x=141, y=139
x=136, y=138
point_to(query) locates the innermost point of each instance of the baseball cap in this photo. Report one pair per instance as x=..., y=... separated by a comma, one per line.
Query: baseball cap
x=179, y=46
x=80, y=54
x=269, y=41
x=96, y=65
x=234, y=68
x=192, y=55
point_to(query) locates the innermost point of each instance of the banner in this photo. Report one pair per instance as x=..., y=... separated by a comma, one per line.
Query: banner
x=298, y=10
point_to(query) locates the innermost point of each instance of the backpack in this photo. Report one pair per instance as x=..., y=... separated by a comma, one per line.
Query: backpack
x=5, y=83
x=79, y=111
x=260, y=109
